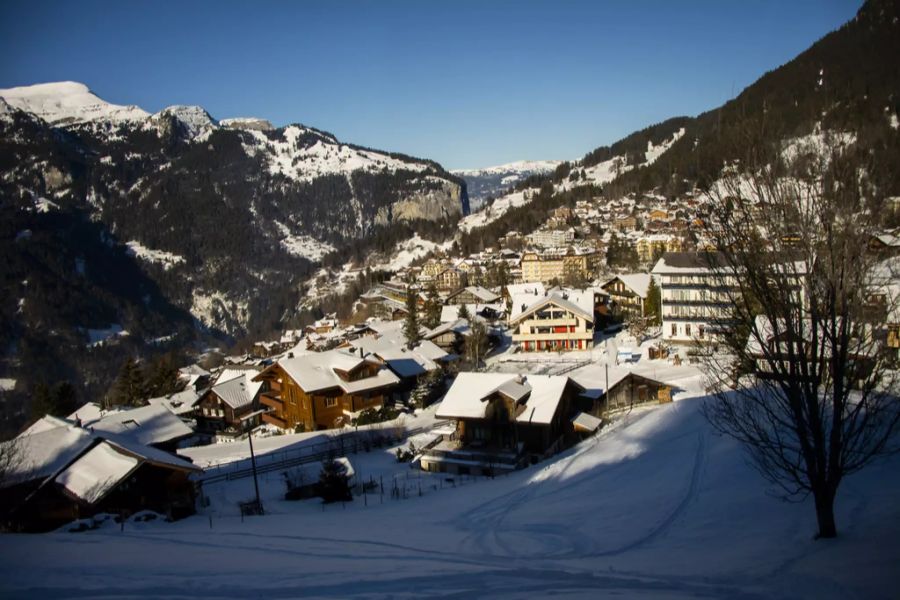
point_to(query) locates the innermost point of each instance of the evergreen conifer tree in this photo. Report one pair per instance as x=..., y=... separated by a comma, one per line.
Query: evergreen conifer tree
x=432, y=308
x=411, y=325
x=653, y=304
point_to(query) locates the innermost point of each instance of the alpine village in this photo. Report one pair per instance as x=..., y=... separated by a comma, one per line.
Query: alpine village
x=242, y=359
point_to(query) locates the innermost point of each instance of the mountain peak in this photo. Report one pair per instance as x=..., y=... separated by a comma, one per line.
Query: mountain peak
x=67, y=102
x=194, y=118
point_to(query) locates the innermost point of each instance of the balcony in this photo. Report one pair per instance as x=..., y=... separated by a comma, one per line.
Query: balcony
x=273, y=419
x=456, y=452
x=271, y=400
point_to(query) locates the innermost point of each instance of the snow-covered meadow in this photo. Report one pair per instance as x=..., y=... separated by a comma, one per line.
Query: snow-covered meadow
x=657, y=506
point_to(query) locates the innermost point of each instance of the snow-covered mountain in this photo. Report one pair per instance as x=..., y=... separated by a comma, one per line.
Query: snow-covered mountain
x=494, y=181
x=68, y=102
x=128, y=217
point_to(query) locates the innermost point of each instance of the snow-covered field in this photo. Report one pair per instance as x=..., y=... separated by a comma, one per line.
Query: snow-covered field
x=656, y=506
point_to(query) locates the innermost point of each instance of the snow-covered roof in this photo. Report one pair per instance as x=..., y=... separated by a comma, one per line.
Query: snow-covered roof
x=535, y=289
x=568, y=304
x=237, y=389
x=676, y=263
x=317, y=371
x=45, y=452
x=539, y=395
x=450, y=312
x=585, y=422
x=466, y=397
x=546, y=392
x=149, y=425
x=97, y=472
x=178, y=403
x=636, y=282
x=460, y=326
x=43, y=424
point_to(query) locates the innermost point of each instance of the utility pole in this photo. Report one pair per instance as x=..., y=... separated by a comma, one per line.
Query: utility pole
x=253, y=462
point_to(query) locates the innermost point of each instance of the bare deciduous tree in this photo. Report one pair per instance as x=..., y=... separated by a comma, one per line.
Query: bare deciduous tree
x=805, y=380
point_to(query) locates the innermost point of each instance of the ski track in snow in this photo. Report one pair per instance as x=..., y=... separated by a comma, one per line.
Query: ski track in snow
x=562, y=528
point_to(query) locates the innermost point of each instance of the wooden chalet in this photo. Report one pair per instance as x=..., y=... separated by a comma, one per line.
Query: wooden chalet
x=323, y=390
x=502, y=421
x=71, y=473
x=628, y=292
x=472, y=295
x=232, y=404
x=554, y=322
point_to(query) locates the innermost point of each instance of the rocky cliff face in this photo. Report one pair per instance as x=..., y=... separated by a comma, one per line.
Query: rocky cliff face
x=223, y=221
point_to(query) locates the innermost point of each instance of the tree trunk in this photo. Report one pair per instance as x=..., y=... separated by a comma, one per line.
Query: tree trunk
x=825, y=514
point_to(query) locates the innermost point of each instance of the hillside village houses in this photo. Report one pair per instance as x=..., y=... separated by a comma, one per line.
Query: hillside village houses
x=327, y=374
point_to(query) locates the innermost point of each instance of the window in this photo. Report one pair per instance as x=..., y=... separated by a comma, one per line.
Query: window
x=674, y=329
x=687, y=329
x=701, y=331
x=330, y=402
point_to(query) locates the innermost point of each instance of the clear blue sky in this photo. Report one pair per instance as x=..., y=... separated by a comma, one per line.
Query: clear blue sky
x=467, y=83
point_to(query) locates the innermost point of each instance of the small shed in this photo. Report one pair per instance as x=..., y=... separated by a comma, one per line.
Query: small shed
x=634, y=390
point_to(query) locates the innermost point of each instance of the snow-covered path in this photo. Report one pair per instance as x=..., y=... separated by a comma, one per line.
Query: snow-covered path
x=656, y=506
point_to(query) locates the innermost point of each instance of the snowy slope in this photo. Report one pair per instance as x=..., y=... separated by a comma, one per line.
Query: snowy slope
x=658, y=506
x=494, y=181
x=68, y=102
x=287, y=155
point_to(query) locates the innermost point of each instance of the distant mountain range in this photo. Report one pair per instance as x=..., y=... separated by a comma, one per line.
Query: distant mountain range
x=494, y=181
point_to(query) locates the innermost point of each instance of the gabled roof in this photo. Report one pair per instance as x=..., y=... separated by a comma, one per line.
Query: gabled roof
x=148, y=425
x=237, y=392
x=538, y=394
x=178, y=403
x=459, y=326
x=316, y=371
x=639, y=283
x=465, y=398
x=96, y=472
x=45, y=452
x=555, y=300
x=483, y=294
x=60, y=445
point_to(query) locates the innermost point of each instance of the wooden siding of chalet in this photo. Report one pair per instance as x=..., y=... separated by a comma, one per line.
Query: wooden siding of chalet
x=164, y=490
x=292, y=406
x=212, y=422
x=499, y=429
